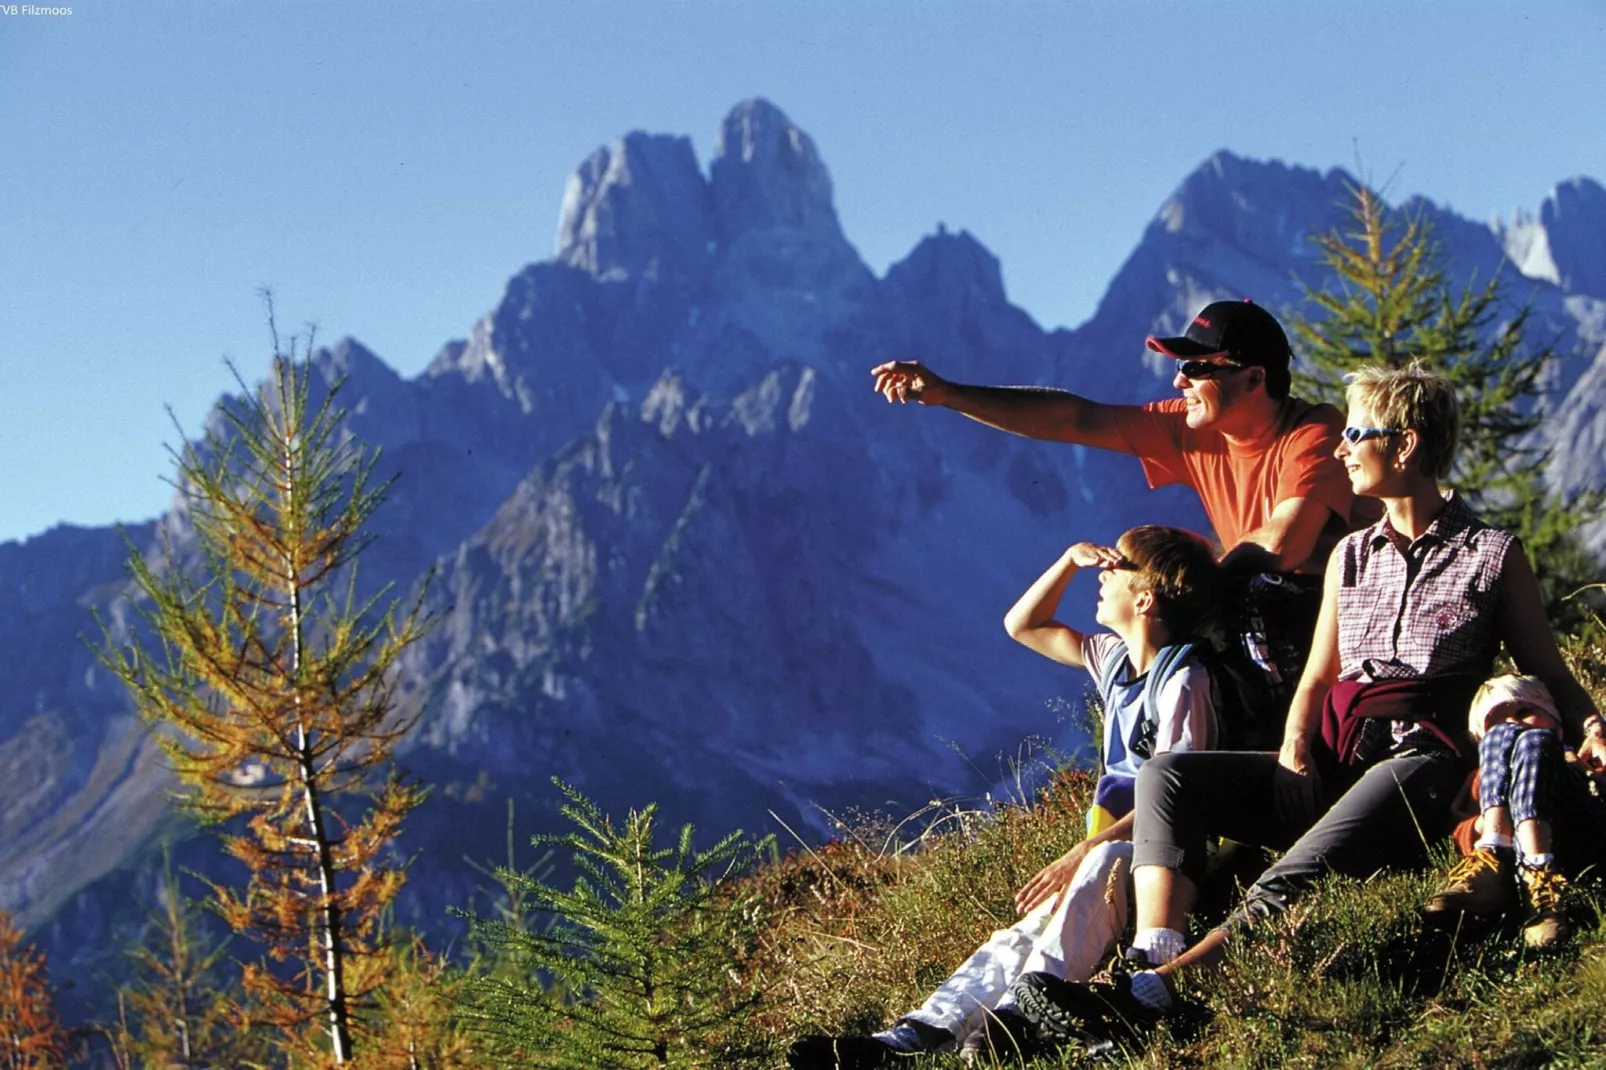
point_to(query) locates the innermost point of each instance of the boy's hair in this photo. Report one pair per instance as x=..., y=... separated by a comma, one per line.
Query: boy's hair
x=1179, y=568
x=1413, y=399
x=1502, y=696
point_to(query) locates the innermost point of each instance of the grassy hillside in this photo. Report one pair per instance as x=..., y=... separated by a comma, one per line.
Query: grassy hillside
x=845, y=937
x=859, y=934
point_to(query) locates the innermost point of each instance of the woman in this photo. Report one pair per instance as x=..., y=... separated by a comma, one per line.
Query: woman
x=1414, y=610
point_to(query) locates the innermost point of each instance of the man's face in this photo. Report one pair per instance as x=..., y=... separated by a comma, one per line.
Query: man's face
x=1215, y=385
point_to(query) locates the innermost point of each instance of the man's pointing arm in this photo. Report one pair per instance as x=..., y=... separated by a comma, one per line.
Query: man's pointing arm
x=1031, y=411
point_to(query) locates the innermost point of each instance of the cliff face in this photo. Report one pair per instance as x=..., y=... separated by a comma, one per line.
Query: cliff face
x=680, y=551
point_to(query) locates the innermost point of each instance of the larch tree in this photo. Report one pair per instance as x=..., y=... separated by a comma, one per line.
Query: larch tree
x=1389, y=300
x=178, y=1010
x=269, y=682
x=31, y=1034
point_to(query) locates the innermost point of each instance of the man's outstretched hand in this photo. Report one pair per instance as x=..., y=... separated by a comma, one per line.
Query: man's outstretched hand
x=909, y=380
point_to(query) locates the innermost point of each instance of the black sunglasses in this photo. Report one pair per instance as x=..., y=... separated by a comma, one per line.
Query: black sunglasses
x=1356, y=435
x=1205, y=369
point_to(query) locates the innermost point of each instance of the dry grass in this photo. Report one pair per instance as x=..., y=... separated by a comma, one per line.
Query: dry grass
x=860, y=930
x=858, y=933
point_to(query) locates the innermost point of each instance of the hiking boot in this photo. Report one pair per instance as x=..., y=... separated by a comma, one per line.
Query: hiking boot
x=908, y=1038
x=1481, y=883
x=1064, y=1011
x=1005, y=1038
x=839, y=1053
x=1547, y=893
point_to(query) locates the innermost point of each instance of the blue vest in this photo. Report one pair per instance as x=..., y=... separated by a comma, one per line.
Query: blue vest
x=1131, y=724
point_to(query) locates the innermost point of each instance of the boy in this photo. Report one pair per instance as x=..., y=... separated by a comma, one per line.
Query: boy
x=1525, y=783
x=1155, y=587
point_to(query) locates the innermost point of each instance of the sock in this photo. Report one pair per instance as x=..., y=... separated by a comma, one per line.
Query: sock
x=1537, y=861
x=1149, y=989
x=1160, y=945
x=1491, y=840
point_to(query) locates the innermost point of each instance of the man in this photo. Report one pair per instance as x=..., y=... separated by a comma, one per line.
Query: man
x=1261, y=461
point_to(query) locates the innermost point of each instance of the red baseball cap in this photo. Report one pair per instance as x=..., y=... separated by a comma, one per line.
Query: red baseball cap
x=1241, y=329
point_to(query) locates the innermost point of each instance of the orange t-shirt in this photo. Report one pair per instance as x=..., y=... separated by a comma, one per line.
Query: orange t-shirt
x=1241, y=484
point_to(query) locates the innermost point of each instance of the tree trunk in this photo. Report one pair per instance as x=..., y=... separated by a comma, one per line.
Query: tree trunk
x=329, y=923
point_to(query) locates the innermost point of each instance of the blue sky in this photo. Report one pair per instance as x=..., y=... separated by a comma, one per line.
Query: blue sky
x=386, y=166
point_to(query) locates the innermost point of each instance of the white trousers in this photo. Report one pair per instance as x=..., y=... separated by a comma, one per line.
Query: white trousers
x=1071, y=942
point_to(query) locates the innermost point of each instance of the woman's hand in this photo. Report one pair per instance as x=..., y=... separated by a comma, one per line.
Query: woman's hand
x=1592, y=751
x=1051, y=880
x=1295, y=755
x=1295, y=790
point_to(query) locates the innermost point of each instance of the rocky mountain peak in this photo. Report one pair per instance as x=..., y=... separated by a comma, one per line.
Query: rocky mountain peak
x=1574, y=217
x=1262, y=208
x=767, y=174
x=378, y=403
x=349, y=357
x=949, y=269
x=640, y=208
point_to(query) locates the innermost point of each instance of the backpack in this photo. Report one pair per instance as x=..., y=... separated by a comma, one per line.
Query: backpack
x=1246, y=714
x=1166, y=663
x=1271, y=617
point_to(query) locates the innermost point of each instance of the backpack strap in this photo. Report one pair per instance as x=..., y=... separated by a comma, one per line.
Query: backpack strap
x=1110, y=669
x=1166, y=663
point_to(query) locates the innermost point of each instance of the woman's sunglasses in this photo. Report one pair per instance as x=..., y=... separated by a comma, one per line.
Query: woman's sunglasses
x=1205, y=369
x=1356, y=435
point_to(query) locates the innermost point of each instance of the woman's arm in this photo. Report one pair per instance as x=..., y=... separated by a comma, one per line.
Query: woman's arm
x=1528, y=638
x=1030, y=621
x=1321, y=669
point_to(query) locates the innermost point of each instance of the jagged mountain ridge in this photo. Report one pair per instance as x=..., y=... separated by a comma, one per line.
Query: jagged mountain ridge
x=743, y=584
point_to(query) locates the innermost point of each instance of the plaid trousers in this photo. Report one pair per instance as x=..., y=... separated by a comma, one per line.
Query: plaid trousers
x=1521, y=768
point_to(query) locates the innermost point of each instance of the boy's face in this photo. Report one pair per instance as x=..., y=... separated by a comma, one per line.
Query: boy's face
x=1119, y=590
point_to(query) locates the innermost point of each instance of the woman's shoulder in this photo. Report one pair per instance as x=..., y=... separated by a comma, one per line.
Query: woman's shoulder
x=1473, y=529
x=1355, y=543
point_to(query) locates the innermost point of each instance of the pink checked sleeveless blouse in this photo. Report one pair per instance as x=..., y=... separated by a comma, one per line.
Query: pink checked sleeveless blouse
x=1426, y=610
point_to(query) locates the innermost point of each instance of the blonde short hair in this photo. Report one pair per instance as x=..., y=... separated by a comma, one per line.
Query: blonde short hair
x=1412, y=399
x=1503, y=696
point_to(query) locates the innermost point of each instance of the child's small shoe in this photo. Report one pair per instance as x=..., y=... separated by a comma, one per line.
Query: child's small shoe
x=1548, y=894
x=1481, y=883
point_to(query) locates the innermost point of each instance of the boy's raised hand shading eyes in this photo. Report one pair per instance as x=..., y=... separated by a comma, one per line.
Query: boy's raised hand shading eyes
x=1092, y=555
